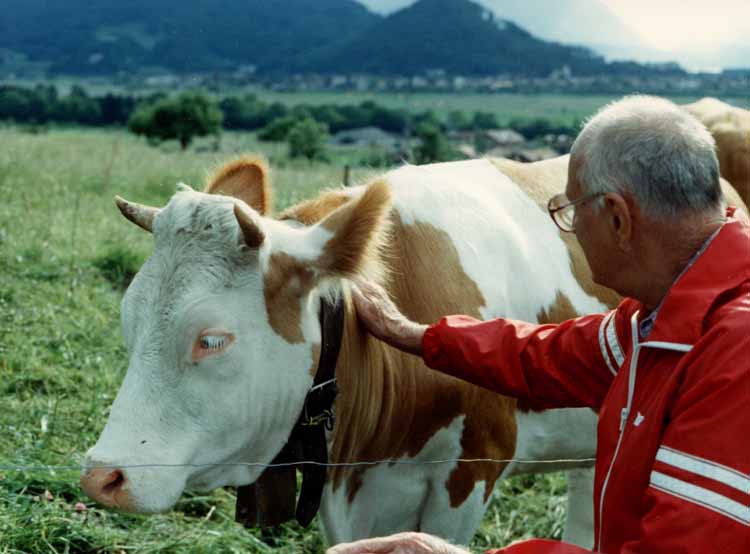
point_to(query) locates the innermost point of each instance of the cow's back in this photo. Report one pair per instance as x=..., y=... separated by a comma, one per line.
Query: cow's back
x=485, y=222
x=730, y=127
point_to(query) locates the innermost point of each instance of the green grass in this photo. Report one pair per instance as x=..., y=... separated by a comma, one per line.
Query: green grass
x=65, y=255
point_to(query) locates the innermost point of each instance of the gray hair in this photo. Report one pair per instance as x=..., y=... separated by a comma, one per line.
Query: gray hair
x=650, y=148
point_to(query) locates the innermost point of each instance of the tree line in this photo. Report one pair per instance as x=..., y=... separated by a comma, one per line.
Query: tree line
x=160, y=116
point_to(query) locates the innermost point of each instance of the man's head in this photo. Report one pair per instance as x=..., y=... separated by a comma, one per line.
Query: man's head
x=651, y=173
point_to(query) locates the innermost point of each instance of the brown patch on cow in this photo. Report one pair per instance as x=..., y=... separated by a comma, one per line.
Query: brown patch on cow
x=540, y=181
x=312, y=211
x=286, y=282
x=560, y=310
x=391, y=404
x=247, y=179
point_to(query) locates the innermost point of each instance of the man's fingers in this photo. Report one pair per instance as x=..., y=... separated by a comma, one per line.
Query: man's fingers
x=361, y=301
x=369, y=288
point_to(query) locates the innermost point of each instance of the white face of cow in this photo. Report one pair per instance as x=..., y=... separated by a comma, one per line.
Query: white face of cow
x=221, y=324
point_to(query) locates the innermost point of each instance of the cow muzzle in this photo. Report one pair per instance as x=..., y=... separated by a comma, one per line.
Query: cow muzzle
x=107, y=486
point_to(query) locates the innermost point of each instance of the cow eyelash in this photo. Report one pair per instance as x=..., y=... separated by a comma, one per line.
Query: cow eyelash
x=213, y=342
x=209, y=342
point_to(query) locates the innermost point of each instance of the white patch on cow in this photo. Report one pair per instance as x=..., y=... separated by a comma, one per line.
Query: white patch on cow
x=302, y=243
x=400, y=497
x=545, y=436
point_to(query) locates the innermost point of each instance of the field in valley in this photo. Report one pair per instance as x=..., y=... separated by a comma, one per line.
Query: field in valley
x=65, y=253
x=559, y=108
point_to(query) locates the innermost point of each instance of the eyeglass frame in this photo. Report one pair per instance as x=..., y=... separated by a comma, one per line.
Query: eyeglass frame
x=571, y=203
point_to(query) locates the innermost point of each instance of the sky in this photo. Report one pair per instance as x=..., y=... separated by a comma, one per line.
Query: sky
x=699, y=34
x=687, y=24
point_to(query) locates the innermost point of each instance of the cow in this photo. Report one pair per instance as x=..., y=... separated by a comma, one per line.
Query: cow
x=223, y=331
x=730, y=127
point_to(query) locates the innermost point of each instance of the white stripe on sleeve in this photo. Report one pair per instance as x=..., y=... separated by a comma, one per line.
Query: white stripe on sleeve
x=702, y=497
x=603, y=345
x=704, y=468
x=614, y=343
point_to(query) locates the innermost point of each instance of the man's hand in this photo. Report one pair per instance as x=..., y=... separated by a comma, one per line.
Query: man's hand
x=382, y=318
x=402, y=543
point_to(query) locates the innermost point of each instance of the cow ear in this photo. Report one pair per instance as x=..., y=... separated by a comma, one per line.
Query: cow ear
x=246, y=179
x=357, y=230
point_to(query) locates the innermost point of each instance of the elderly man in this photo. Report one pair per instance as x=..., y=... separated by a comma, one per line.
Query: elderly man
x=668, y=371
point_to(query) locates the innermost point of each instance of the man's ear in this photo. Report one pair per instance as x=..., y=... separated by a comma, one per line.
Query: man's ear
x=356, y=231
x=620, y=214
x=247, y=179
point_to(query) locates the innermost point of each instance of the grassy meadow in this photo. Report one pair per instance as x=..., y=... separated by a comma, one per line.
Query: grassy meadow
x=65, y=253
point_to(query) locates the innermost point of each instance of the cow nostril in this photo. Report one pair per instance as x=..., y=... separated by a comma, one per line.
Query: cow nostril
x=114, y=481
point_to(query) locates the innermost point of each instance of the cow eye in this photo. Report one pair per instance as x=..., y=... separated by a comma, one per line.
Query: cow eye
x=211, y=341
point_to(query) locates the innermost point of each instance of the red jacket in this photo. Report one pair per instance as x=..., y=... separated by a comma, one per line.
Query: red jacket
x=673, y=454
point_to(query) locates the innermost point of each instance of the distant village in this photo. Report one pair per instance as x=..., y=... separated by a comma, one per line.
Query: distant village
x=666, y=79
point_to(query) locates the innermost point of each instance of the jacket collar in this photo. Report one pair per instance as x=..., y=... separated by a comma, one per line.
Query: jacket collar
x=722, y=267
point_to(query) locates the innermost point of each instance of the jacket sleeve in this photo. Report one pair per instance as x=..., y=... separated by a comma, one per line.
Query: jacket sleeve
x=545, y=366
x=698, y=498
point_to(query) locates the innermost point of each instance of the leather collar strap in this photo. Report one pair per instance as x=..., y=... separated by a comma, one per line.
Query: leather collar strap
x=270, y=501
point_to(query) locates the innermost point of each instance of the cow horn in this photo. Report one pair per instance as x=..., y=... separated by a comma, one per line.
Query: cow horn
x=252, y=234
x=141, y=215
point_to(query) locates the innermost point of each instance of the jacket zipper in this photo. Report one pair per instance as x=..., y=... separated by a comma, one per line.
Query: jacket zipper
x=624, y=413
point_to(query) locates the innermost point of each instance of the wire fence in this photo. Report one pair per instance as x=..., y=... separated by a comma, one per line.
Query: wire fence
x=79, y=467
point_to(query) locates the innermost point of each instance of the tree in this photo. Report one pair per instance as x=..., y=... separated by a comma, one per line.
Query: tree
x=278, y=129
x=189, y=115
x=433, y=147
x=307, y=139
x=485, y=120
x=458, y=121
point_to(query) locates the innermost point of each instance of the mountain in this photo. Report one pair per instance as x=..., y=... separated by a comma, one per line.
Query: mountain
x=614, y=35
x=289, y=36
x=458, y=36
x=589, y=22
x=104, y=36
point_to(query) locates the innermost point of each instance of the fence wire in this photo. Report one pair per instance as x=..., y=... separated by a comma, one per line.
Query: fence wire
x=79, y=467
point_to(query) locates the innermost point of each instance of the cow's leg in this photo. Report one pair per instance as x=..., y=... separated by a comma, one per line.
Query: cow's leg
x=387, y=500
x=579, y=524
x=410, y=496
x=558, y=437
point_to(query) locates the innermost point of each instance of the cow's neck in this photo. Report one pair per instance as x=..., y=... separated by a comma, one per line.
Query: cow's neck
x=376, y=405
x=389, y=404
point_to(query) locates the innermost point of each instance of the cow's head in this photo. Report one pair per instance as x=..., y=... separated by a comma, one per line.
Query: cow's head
x=221, y=324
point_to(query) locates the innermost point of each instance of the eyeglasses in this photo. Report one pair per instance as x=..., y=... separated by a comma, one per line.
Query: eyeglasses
x=562, y=210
